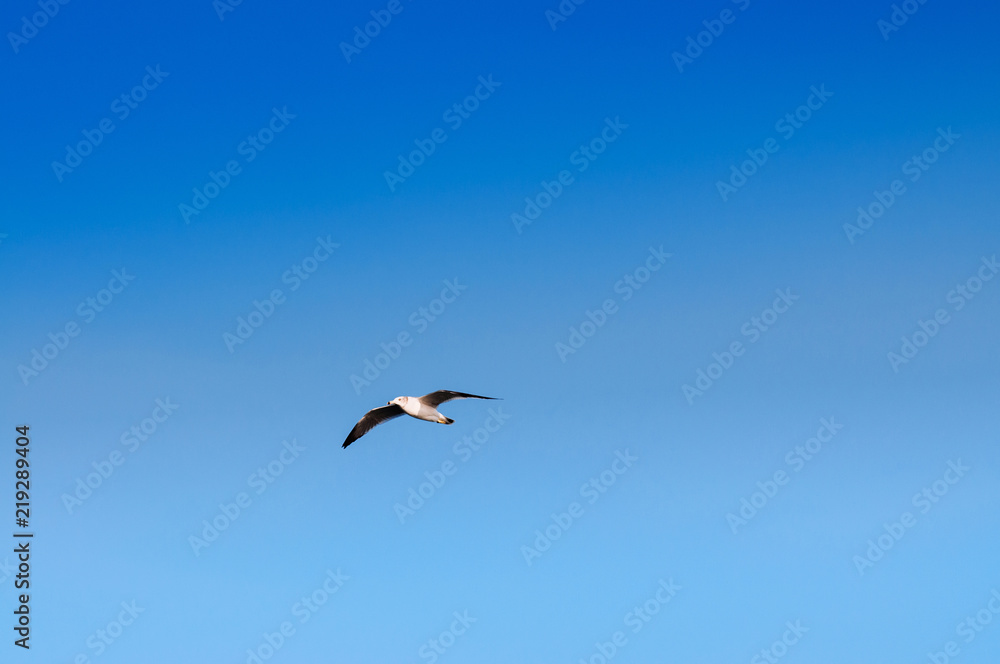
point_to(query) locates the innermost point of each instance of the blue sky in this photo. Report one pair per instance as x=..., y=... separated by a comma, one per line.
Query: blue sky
x=600, y=490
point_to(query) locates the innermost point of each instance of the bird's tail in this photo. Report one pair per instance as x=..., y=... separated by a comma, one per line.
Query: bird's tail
x=447, y=420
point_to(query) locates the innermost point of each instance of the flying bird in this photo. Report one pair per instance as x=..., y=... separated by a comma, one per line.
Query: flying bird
x=422, y=408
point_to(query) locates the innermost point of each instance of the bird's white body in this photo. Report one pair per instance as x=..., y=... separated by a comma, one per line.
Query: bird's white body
x=421, y=408
x=413, y=407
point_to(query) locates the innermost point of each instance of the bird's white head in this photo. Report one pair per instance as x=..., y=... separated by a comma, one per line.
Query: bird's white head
x=399, y=401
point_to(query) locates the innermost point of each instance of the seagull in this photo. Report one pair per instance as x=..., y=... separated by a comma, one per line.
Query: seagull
x=422, y=408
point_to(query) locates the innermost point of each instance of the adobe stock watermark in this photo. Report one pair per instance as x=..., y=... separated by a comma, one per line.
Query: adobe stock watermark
x=30, y=27
x=223, y=7
x=259, y=480
x=593, y=489
x=103, y=638
x=753, y=330
x=900, y=14
x=304, y=609
x=122, y=106
x=293, y=277
x=796, y=459
x=455, y=115
x=958, y=297
x=420, y=320
x=6, y=569
x=786, y=127
x=780, y=647
x=439, y=645
x=635, y=620
x=968, y=629
x=924, y=500
x=249, y=149
x=563, y=11
x=87, y=311
x=627, y=286
x=913, y=168
x=464, y=450
x=581, y=159
x=381, y=18
x=714, y=27
x=132, y=439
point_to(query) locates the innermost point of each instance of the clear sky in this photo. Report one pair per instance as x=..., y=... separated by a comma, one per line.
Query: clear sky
x=743, y=421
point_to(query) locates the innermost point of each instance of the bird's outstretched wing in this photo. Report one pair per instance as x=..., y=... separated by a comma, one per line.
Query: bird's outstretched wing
x=372, y=418
x=435, y=399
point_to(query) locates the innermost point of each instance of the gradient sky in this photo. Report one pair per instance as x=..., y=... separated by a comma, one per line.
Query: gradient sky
x=321, y=181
